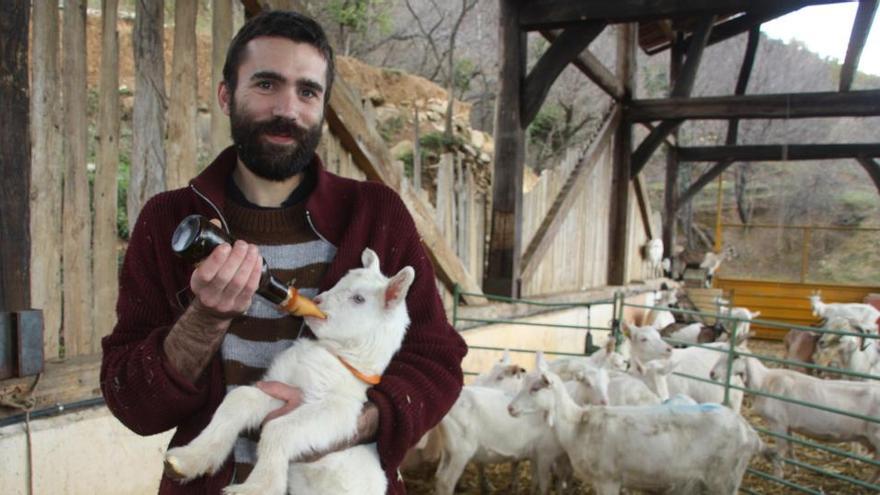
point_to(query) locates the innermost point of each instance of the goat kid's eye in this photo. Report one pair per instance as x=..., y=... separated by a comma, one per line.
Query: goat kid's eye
x=358, y=299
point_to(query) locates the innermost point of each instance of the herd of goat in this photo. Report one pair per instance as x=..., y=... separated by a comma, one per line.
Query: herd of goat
x=620, y=418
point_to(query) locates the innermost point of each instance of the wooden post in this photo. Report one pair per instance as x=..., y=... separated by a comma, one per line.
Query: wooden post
x=15, y=157
x=619, y=217
x=148, y=116
x=46, y=167
x=76, y=223
x=106, y=235
x=502, y=274
x=417, y=152
x=670, y=191
x=221, y=34
x=182, y=112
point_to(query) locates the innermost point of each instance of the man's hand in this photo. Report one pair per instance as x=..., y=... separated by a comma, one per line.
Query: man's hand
x=226, y=281
x=291, y=396
x=368, y=421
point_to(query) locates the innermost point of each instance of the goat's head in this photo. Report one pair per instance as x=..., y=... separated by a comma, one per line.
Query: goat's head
x=535, y=395
x=738, y=368
x=646, y=343
x=365, y=306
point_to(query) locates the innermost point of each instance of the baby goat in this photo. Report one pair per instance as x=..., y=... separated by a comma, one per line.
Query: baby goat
x=365, y=325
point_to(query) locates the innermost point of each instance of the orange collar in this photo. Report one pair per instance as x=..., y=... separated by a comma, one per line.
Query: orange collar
x=368, y=379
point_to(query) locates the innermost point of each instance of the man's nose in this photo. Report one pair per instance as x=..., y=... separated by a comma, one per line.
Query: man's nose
x=287, y=104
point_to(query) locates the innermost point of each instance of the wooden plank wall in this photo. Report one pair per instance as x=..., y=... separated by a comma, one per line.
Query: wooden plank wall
x=578, y=257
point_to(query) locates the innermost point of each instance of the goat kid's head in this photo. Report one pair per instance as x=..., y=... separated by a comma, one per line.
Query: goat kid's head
x=365, y=304
x=535, y=394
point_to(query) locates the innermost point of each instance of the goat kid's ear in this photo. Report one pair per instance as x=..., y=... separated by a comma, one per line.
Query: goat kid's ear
x=505, y=358
x=395, y=291
x=754, y=315
x=370, y=259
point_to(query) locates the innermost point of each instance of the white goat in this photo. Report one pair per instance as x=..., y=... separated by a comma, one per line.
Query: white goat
x=712, y=262
x=660, y=316
x=865, y=315
x=647, y=345
x=848, y=352
x=674, y=448
x=785, y=417
x=653, y=256
x=365, y=325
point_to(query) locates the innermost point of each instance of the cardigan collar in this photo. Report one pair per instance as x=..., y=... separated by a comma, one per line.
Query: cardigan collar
x=328, y=206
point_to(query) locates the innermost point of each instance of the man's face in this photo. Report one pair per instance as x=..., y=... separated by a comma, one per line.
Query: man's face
x=277, y=109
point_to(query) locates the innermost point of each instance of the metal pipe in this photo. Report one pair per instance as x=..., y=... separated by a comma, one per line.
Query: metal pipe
x=52, y=410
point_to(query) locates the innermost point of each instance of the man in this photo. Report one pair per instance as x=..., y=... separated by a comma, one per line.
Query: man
x=186, y=334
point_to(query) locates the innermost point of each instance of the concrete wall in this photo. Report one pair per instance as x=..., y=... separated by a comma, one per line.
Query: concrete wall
x=82, y=453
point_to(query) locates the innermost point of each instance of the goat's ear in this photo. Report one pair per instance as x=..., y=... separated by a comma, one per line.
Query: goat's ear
x=754, y=315
x=505, y=358
x=395, y=291
x=626, y=328
x=540, y=362
x=370, y=259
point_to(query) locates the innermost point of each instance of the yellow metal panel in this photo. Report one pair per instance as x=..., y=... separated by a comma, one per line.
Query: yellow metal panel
x=786, y=302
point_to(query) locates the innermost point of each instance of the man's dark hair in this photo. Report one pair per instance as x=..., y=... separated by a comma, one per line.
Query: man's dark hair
x=283, y=24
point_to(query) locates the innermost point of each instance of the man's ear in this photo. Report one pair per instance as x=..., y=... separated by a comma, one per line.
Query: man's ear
x=224, y=96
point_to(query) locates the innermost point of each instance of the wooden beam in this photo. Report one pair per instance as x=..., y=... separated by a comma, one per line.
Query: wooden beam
x=106, y=237
x=618, y=217
x=46, y=157
x=562, y=52
x=61, y=382
x=773, y=106
x=594, y=69
x=873, y=169
x=684, y=84
x=670, y=189
x=78, y=327
x=574, y=184
x=551, y=14
x=15, y=157
x=857, y=38
x=767, y=153
x=644, y=206
x=503, y=268
x=744, y=23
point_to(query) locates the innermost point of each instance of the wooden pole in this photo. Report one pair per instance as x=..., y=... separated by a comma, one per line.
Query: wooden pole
x=46, y=171
x=15, y=157
x=221, y=35
x=106, y=236
x=148, y=115
x=670, y=191
x=183, y=110
x=76, y=222
x=858, y=37
x=503, y=271
x=619, y=218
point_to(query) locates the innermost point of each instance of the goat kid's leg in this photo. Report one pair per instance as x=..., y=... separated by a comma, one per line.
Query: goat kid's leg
x=243, y=408
x=310, y=428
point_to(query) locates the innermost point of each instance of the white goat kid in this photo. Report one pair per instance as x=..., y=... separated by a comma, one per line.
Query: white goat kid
x=864, y=314
x=652, y=252
x=682, y=448
x=785, y=417
x=847, y=352
x=365, y=325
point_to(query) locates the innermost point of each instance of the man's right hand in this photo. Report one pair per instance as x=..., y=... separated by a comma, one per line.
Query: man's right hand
x=223, y=285
x=226, y=281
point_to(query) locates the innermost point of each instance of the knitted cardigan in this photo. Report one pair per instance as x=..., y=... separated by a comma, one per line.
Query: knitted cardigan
x=147, y=395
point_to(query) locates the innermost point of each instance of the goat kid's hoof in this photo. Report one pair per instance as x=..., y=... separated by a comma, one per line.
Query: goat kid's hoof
x=181, y=466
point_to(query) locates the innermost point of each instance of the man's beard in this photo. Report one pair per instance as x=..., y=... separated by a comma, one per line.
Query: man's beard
x=267, y=160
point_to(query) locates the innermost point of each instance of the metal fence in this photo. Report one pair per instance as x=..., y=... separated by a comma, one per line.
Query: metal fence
x=847, y=483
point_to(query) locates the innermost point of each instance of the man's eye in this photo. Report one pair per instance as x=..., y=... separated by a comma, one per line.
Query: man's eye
x=308, y=93
x=265, y=84
x=358, y=299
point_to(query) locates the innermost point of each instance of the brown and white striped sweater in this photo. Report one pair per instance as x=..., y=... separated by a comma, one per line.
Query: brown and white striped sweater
x=295, y=253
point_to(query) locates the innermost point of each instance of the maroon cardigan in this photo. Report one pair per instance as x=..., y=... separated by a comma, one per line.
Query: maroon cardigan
x=147, y=395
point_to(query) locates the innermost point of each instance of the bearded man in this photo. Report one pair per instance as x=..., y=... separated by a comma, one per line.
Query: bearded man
x=186, y=335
